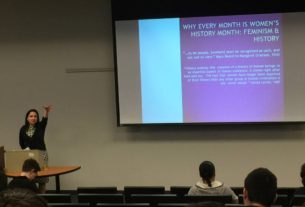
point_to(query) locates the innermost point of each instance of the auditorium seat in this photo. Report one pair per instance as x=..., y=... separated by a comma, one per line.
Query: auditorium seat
x=240, y=198
x=289, y=191
x=123, y=205
x=238, y=190
x=154, y=199
x=56, y=198
x=282, y=200
x=180, y=191
x=235, y=205
x=242, y=205
x=218, y=198
x=94, y=198
x=297, y=200
x=128, y=190
x=102, y=190
x=173, y=204
x=68, y=204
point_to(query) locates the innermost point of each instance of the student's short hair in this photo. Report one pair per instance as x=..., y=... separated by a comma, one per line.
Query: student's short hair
x=30, y=164
x=20, y=197
x=261, y=185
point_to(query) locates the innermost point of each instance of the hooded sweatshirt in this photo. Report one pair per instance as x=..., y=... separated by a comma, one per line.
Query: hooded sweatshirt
x=217, y=188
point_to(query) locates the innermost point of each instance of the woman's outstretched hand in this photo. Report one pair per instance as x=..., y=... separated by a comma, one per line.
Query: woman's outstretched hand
x=47, y=109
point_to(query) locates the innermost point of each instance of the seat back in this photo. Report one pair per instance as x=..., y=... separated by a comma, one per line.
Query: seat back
x=173, y=204
x=282, y=200
x=297, y=200
x=238, y=190
x=101, y=190
x=68, y=204
x=94, y=198
x=56, y=198
x=242, y=205
x=240, y=198
x=128, y=190
x=180, y=191
x=154, y=199
x=123, y=205
x=217, y=198
x=235, y=205
x=289, y=191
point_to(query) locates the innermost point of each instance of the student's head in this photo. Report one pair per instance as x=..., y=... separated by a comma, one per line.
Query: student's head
x=30, y=167
x=17, y=197
x=207, y=172
x=302, y=174
x=31, y=117
x=260, y=187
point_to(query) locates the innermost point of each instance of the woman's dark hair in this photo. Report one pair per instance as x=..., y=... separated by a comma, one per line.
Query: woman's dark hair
x=302, y=174
x=207, y=172
x=27, y=114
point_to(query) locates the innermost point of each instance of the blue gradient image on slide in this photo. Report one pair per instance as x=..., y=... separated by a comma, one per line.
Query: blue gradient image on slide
x=160, y=64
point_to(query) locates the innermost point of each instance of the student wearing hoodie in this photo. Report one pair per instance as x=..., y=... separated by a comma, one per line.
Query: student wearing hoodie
x=208, y=185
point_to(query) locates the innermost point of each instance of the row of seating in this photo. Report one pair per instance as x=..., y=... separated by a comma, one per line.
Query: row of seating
x=137, y=205
x=155, y=199
x=284, y=200
x=178, y=190
x=154, y=195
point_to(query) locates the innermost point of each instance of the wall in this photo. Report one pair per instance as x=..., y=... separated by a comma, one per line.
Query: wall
x=39, y=41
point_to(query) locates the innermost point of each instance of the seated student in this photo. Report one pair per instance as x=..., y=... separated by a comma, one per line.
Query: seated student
x=29, y=172
x=20, y=197
x=301, y=190
x=208, y=185
x=260, y=188
x=3, y=180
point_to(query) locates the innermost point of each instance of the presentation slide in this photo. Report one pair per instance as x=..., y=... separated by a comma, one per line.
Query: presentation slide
x=218, y=69
x=232, y=68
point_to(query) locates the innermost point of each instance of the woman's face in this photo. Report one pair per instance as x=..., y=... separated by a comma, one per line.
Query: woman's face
x=32, y=118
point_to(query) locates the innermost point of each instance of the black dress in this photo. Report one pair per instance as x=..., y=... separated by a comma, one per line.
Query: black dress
x=37, y=140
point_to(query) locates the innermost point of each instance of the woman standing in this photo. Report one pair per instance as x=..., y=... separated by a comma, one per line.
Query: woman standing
x=31, y=136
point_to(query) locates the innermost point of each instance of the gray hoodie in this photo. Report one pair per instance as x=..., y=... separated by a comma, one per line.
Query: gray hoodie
x=217, y=188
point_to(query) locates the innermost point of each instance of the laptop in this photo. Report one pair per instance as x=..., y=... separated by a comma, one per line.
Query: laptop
x=14, y=159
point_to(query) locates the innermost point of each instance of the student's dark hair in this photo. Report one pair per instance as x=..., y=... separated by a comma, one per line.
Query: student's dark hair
x=20, y=197
x=207, y=171
x=27, y=114
x=261, y=185
x=302, y=174
x=30, y=164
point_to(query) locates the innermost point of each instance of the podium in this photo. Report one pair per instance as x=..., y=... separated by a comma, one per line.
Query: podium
x=14, y=159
